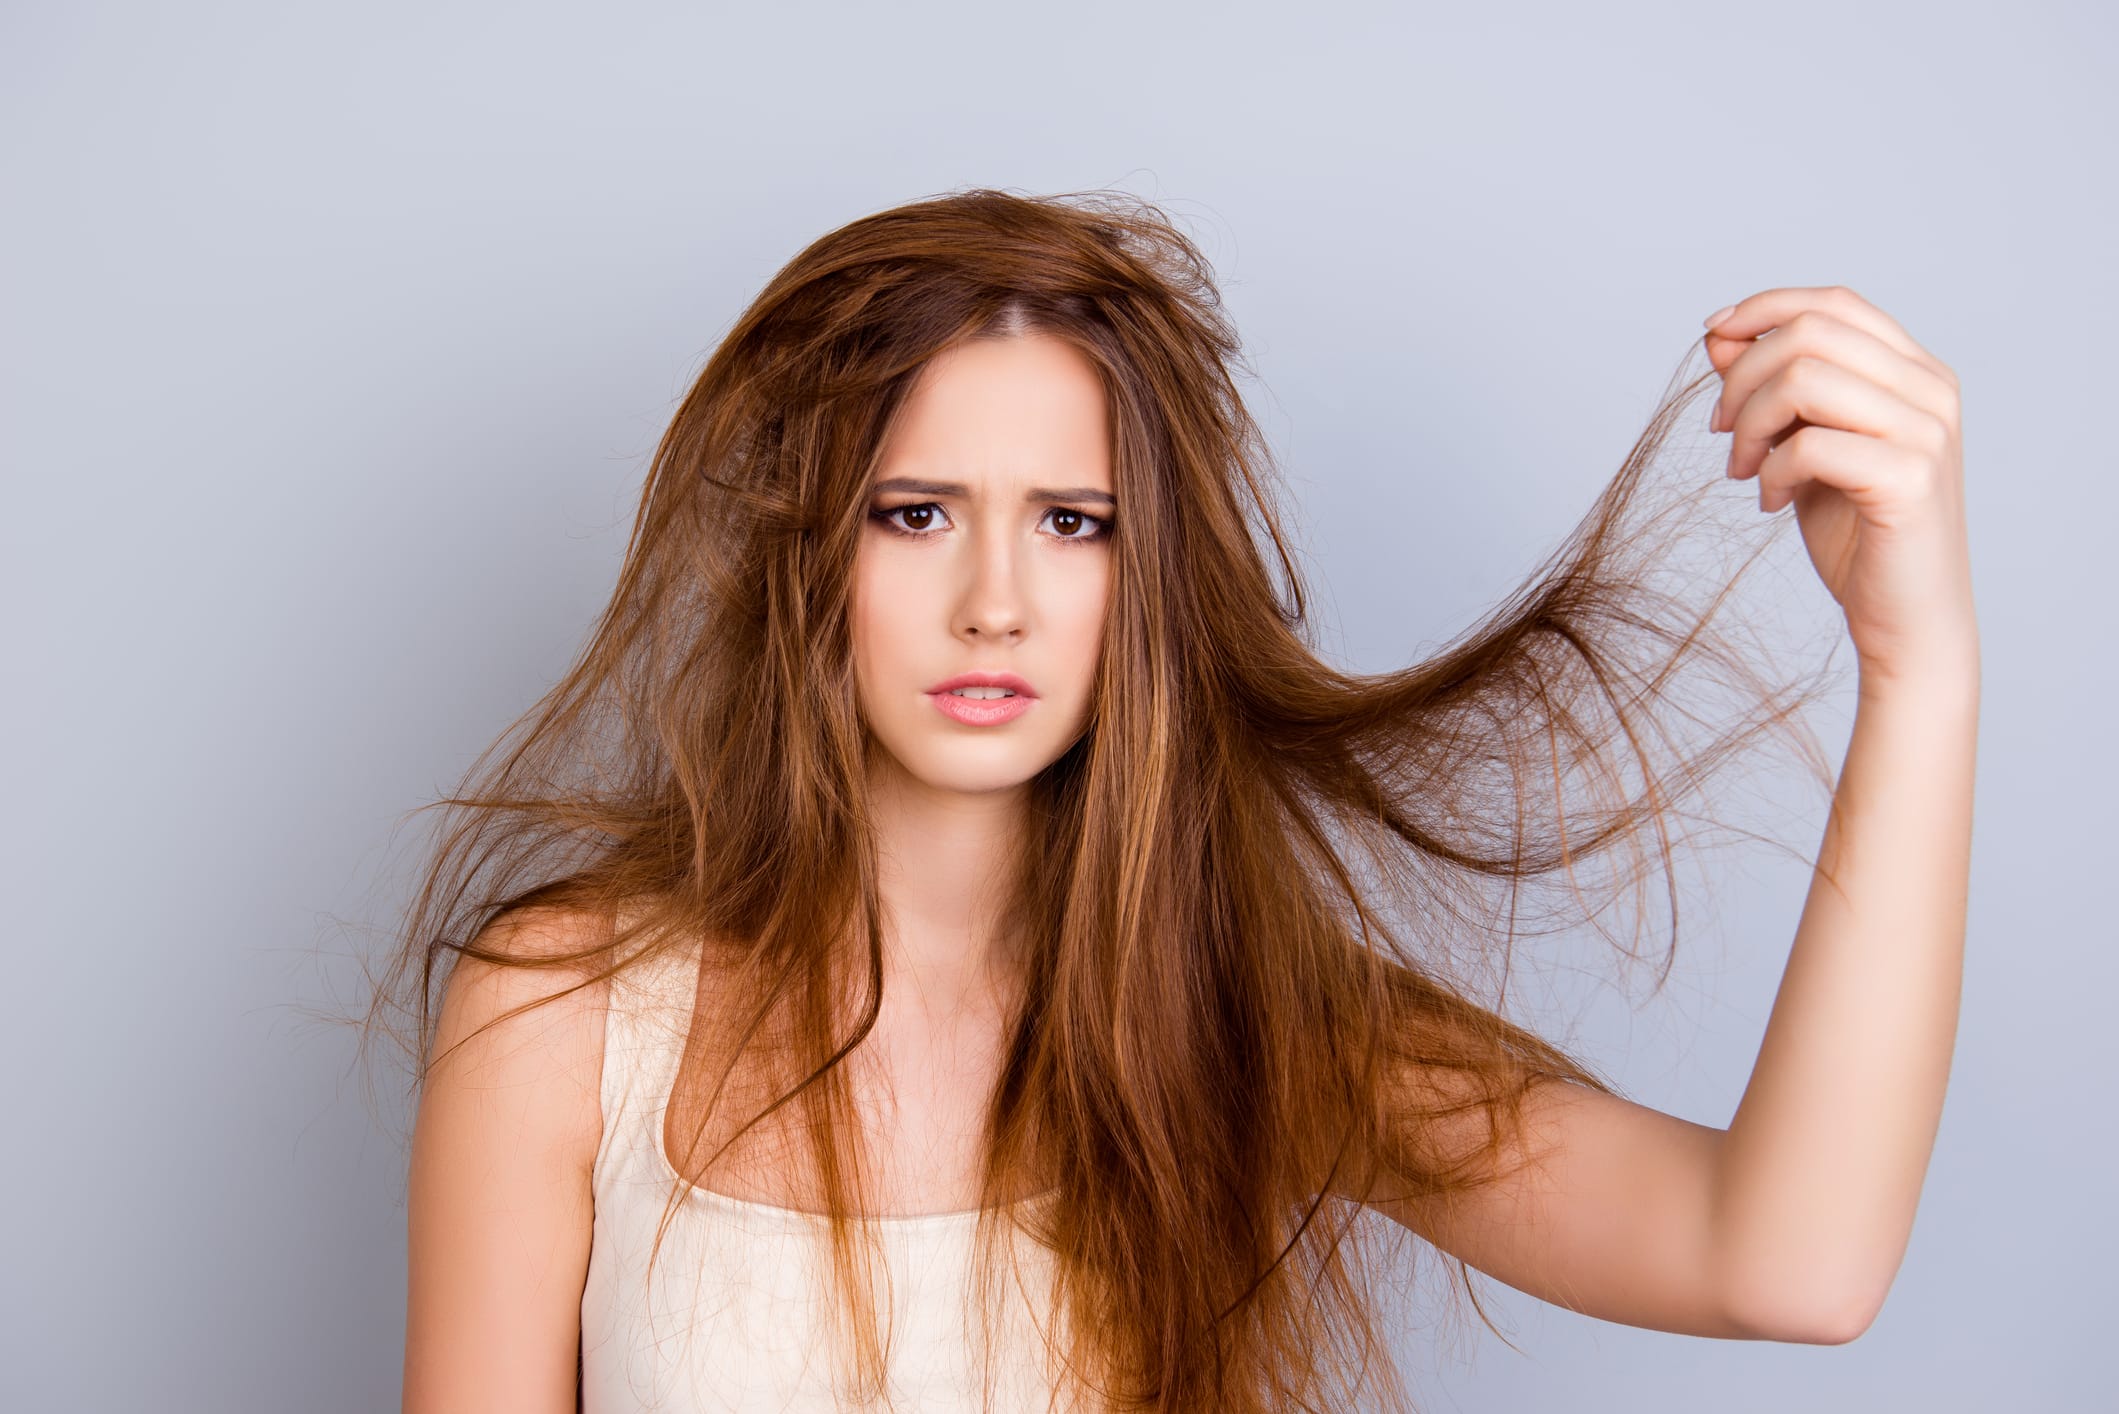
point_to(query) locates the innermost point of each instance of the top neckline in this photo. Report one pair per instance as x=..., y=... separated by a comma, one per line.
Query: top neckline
x=803, y=1216
x=889, y=1222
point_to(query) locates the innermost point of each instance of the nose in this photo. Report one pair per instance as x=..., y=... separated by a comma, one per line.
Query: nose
x=993, y=607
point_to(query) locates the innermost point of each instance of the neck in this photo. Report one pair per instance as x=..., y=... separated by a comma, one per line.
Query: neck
x=943, y=859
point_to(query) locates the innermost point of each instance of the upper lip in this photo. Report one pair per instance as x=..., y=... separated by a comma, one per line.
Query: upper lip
x=1008, y=680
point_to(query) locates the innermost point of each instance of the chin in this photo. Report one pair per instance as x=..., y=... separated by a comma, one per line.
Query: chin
x=966, y=767
x=969, y=777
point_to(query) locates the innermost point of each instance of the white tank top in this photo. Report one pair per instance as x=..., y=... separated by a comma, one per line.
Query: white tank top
x=738, y=1317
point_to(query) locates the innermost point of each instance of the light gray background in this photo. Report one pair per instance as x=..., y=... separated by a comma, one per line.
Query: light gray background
x=336, y=343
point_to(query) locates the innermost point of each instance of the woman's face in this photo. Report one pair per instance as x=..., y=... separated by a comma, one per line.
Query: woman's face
x=986, y=551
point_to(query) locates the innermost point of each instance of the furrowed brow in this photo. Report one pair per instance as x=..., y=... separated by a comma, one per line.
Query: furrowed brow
x=1040, y=494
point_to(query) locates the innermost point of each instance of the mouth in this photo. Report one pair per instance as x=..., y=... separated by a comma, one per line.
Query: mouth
x=982, y=699
x=983, y=686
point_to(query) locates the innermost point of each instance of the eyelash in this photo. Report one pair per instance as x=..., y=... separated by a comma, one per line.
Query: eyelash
x=882, y=516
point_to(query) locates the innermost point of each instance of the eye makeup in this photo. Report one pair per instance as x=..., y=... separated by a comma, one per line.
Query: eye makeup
x=886, y=516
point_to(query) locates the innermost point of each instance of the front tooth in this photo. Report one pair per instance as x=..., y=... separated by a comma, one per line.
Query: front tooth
x=982, y=693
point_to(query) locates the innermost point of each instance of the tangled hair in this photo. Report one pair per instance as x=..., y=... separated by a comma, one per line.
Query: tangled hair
x=1255, y=894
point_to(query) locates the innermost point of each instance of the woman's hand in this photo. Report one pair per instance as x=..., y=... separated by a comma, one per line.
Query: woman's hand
x=1836, y=410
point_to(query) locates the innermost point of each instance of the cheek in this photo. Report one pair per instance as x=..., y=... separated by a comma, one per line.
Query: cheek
x=870, y=629
x=885, y=616
x=871, y=653
x=1083, y=626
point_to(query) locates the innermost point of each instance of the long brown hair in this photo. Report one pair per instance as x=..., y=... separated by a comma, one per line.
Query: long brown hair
x=1258, y=894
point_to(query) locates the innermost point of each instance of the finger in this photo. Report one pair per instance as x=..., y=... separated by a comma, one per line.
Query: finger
x=1816, y=334
x=1822, y=394
x=1865, y=468
x=1769, y=309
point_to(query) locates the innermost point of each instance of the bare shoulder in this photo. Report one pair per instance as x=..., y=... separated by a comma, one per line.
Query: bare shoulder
x=501, y=1209
x=535, y=1022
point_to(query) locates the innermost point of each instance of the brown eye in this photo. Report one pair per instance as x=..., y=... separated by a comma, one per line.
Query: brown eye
x=1070, y=524
x=899, y=519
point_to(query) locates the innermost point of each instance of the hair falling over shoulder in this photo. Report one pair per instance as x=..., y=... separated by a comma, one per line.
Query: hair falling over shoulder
x=1259, y=893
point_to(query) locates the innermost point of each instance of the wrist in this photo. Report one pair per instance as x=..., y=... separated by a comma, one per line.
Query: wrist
x=1936, y=682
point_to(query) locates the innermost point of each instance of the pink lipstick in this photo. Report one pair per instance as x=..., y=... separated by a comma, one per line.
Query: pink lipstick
x=998, y=697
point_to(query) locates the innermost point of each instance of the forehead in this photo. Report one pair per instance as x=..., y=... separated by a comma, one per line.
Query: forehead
x=997, y=412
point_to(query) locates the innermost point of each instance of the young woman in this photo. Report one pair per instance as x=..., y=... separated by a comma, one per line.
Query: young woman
x=951, y=943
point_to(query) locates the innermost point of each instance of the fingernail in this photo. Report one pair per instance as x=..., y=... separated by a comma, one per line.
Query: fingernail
x=1718, y=316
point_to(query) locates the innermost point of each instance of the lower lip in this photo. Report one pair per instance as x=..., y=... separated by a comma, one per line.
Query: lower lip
x=981, y=711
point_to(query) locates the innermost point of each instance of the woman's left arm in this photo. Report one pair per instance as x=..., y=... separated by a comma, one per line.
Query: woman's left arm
x=1791, y=1223
x=1837, y=411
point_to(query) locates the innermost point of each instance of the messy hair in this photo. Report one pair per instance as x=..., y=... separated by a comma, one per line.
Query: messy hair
x=1263, y=899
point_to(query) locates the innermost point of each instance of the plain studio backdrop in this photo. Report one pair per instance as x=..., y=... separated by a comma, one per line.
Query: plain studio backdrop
x=336, y=341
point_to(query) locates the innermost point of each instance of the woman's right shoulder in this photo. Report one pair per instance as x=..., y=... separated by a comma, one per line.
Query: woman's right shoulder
x=534, y=1021
x=539, y=1018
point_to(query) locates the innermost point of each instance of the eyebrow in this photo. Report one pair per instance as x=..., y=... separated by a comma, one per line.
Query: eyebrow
x=1039, y=494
